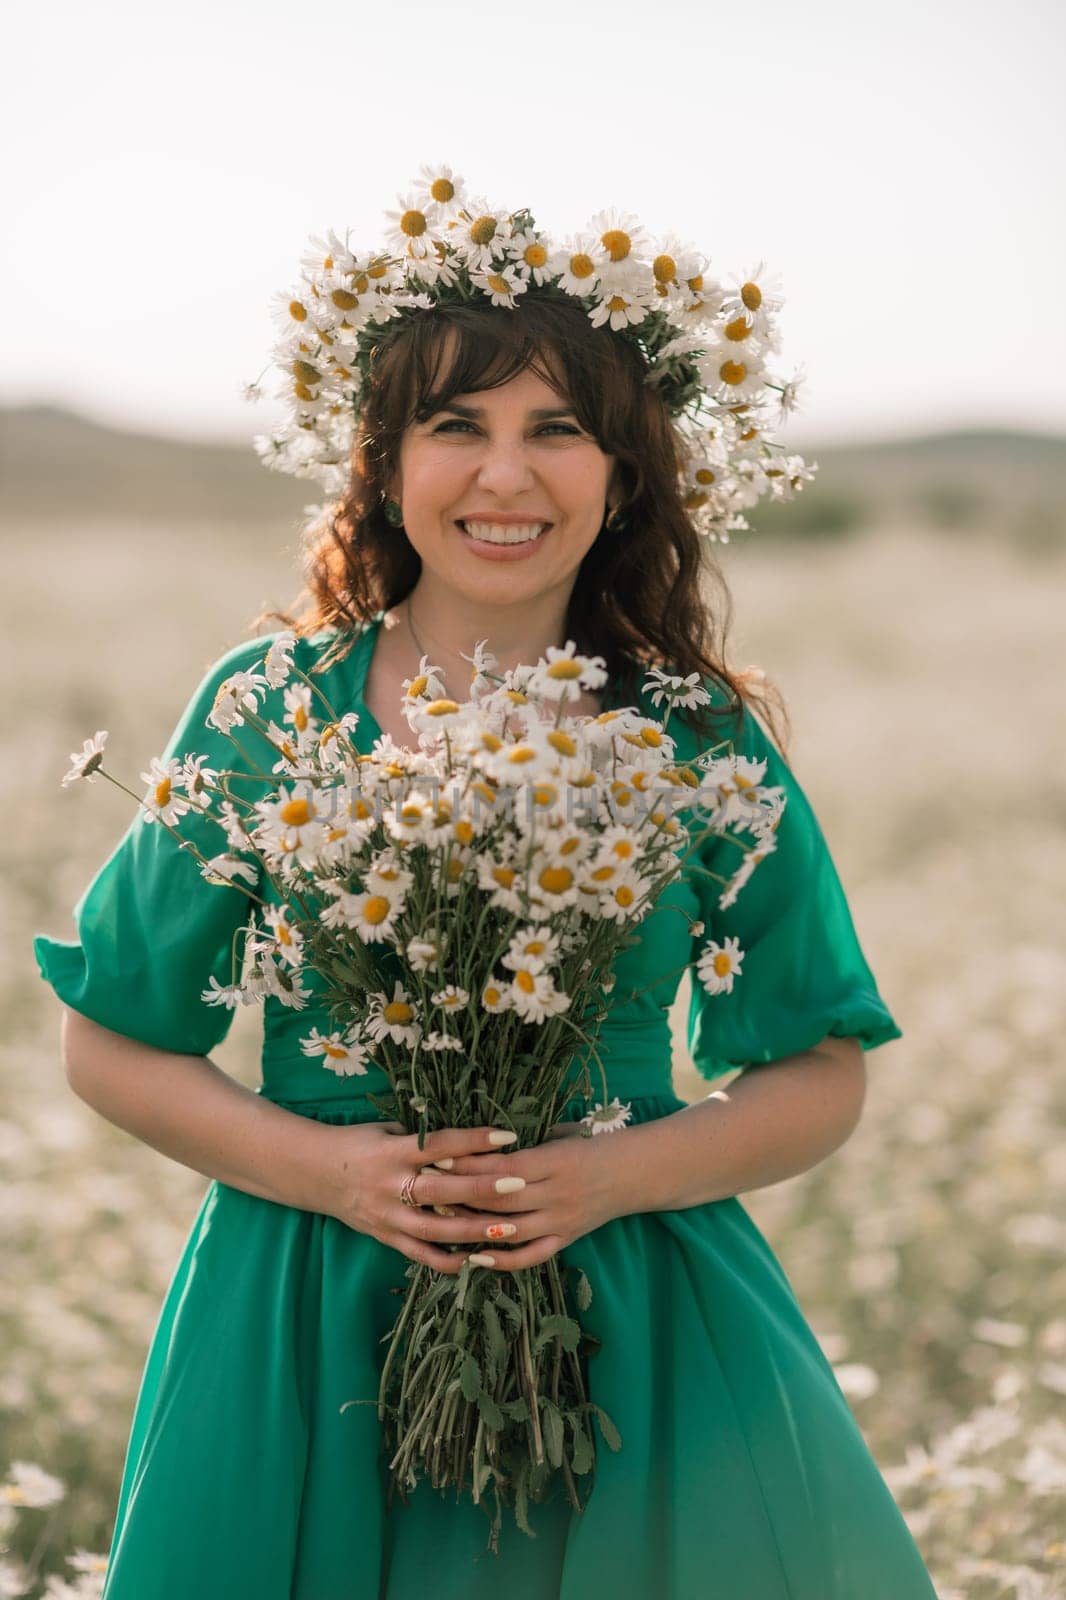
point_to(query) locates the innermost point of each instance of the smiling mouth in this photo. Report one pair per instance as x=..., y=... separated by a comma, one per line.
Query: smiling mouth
x=502, y=534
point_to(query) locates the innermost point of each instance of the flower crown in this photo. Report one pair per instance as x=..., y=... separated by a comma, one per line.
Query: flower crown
x=703, y=345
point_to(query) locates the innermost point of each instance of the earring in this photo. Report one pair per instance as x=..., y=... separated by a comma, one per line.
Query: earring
x=394, y=513
x=616, y=521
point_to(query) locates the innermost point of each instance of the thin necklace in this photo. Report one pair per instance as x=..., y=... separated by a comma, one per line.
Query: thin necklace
x=414, y=632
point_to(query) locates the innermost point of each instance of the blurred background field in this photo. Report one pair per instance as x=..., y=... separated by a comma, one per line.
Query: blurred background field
x=909, y=604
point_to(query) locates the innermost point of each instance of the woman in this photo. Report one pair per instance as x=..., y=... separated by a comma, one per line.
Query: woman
x=513, y=481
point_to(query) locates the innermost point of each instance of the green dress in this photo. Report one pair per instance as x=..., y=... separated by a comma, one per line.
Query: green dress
x=743, y=1474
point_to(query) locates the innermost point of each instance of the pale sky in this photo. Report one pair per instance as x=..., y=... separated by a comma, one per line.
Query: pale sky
x=901, y=167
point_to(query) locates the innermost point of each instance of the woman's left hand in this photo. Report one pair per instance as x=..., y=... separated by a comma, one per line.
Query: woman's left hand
x=573, y=1184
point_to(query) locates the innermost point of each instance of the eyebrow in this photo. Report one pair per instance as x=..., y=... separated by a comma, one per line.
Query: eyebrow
x=541, y=413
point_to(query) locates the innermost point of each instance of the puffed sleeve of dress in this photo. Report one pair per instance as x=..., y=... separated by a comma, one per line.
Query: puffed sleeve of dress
x=151, y=929
x=803, y=973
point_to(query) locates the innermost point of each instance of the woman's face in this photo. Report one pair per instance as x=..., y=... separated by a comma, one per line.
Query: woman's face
x=491, y=457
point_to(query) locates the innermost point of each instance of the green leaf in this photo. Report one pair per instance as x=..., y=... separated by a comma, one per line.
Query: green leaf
x=490, y=1411
x=552, y=1424
x=517, y=1410
x=583, y=1457
x=521, y=1499
x=470, y=1376
x=583, y=1293
x=497, y=1343
x=563, y=1328
x=607, y=1428
x=510, y=1307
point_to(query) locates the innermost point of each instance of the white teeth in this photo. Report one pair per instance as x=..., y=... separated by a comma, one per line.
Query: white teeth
x=501, y=533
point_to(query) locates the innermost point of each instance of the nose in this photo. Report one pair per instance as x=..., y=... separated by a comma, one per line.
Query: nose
x=504, y=467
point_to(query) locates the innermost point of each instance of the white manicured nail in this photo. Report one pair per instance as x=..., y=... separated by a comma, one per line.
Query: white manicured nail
x=509, y=1185
x=445, y=1162
x=481, y=1260
x=502, y=1136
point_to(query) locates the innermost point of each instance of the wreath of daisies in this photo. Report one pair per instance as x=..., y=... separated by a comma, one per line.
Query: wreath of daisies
x=705, y=345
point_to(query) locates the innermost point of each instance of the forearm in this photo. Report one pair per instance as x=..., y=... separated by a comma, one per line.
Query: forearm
x=187, y=1108
x=772, y=1122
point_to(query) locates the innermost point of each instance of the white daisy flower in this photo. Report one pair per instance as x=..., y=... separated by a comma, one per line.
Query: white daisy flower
x=753, y=293
x=434, y=717
x=534, y=995
x=427, y=683
x=501, y=881
x=195, y=777
x=607, y=1119
x=621, y=308
x=502, y=284
x=240, y=691
x=574, y=266
x=624, y=898
x=222, y=994
x=340, y=1053
x=534, y=947
x=552, y=886
x=393, y=1019
x=424, y=954
x=28, y=1485
x=441, y=1041
x=732, y=373
x=162, y=801
x=415, y=228
x=531, y=253
x=278, y=663
x=373, y=915
x=225, y=868
x=619, y=235
x=451, y=998
x=441, y=188
x=87, y=760
x=496, y=996
x=477, y=234
x=719, y=964
x=288, y=939
x=687, y=691
x=562, y=673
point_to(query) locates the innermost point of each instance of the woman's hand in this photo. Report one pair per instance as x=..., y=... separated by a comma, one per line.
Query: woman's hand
x=566, y=1187
x=364, y=1165
x=570, y=1185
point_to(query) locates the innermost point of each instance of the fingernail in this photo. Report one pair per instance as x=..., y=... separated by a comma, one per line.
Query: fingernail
x=502, y=1136
x=477, y=1260
x=509, y=1185
x=501, y=1230
x=445, y=1211
x=445, y=1162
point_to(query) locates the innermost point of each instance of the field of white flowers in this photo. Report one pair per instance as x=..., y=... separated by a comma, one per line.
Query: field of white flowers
x=926, y=693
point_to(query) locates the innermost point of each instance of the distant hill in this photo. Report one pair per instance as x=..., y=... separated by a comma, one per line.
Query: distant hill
x=56, y=463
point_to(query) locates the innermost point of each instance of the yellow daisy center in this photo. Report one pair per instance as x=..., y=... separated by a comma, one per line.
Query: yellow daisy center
x=722, y=964
x=664, y=269
x=305, y=372
x=299, y=719
x=705, y=475
x=617, y=302
x=336, y=1051
x=483, y=230
x=617, y=243
x=624, y=895
x=504, y=876
x=162, y=792
x=442, y=708
x=524, y=981
x=581, y=265
x=397, y=1011
x=442, y=190
x=565, y=670
x=297, y=311
x=376, y=909
x=555, y=880
x=751, y=295
x=343, y=299
x=491, y=995
x=417, y=685
x=534, y=255
x=732, y=372
x=498, y=283
x=296, y=813
x=562, y=742
x=413, y=224
x=738, y=329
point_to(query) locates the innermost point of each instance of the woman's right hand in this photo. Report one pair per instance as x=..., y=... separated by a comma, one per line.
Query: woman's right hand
x=366, y=1165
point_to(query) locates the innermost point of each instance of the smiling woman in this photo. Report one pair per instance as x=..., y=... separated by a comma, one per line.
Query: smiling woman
x=514, y=479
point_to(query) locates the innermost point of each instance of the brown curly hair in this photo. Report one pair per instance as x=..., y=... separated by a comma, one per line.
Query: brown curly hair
x=637, y=600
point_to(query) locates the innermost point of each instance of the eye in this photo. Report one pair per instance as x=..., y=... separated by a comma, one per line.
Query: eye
x=460, y=422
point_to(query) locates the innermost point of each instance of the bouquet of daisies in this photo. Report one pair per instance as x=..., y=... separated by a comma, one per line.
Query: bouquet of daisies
x=462, y=904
